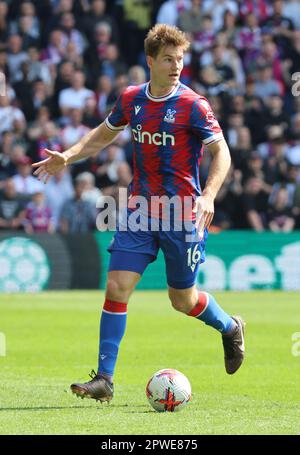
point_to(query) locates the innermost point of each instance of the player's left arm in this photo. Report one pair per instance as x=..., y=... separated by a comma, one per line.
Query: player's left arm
x=218, y=170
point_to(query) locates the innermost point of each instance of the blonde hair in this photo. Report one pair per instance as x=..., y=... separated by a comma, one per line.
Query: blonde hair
x=164, y=35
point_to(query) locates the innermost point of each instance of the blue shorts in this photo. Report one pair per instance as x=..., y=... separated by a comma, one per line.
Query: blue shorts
x=183, y=251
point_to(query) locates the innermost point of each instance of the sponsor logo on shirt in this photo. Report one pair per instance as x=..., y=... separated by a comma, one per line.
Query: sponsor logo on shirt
x=144, y=137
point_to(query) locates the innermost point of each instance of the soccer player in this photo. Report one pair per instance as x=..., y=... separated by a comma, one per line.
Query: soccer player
x=170, y=123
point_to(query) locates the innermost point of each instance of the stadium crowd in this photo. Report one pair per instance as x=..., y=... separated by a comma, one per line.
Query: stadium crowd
x=63, y=64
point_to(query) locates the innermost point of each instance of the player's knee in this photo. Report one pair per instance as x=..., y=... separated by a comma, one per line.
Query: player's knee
x=117, y=290
x=179, y=304
x=182, y=302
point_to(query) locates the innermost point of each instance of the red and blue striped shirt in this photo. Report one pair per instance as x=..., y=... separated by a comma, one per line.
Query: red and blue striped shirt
x=168, y=134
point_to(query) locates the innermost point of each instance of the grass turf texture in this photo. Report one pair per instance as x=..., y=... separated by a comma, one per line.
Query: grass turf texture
x=52, y=341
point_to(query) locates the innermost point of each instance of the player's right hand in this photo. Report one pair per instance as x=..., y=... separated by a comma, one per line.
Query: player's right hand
x=55, y=162
x=204, y=209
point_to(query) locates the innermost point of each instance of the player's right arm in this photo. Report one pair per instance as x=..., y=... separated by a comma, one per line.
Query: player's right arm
x=89, y=145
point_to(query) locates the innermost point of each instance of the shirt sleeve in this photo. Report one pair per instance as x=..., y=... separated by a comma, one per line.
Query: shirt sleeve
x=204, y=123
x=117, y=120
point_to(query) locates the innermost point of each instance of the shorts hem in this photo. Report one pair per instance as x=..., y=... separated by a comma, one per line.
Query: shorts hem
x=181, y=284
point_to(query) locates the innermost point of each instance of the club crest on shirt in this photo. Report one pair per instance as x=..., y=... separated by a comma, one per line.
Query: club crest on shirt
x=169, y=117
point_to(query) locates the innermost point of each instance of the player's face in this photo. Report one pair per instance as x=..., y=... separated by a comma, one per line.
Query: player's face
x=166, y=66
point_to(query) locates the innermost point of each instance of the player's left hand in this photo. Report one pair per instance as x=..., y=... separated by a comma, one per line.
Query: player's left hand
x=204, y=209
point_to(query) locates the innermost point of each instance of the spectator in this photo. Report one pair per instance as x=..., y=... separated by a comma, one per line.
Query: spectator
x=78, y=214
x=15, y=57
x=63, y=80
x=170, y=11
x=3, y=64
x=224, y=80
x=217, y=8
x=260, y=8
x=38, y=215
x=235, y=122
x=190, y=20
x=58, y=191
x=71, y=34
x=275, y=114
x=255, y=168
x=269, y=55
x=38, y=69
x=96, y=53
x=90, y=193
x=204, y=38
x=255, y=203
x=273, y=152
x=137, y=75
x=11, y=207
x=4, y=31
x=281, y=27
x=73, y=55
x=17, y=153
x=35, y=128
x=296, y=205
x=75, y=96
x=114, y=172
x=290, y=9
x=294, y=132
x=242, y=149
x=11, y=118
x=97, y=15
x=280, y=217
x=112, y=64
x=23, y=90
x=55, y=52
x=41, y=95
x=292, y=155
x=136, y=23
x=32, y=27
x=7, y=168
x=292, y=57
x=248, y=39
x=48, y=139
x=90, y=117
x=229, y=28
x=265, y=86
x=228, y=202
x=24, y=182
x=255, y=115
x=75, y=130
x=244, y=56
x=26, y=29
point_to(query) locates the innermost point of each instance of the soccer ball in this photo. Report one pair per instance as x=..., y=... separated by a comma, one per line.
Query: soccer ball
x=168, y=390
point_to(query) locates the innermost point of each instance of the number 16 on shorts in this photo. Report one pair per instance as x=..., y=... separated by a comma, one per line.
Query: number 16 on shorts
x=193, y=256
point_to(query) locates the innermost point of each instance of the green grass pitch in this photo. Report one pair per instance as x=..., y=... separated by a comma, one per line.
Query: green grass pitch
x=52, y=341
